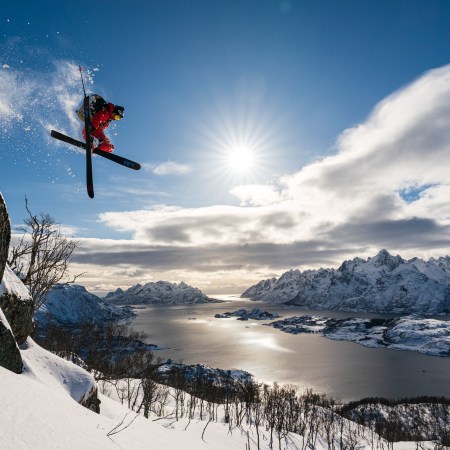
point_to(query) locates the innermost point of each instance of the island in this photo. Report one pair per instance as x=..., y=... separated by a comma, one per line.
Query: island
x=243, y=314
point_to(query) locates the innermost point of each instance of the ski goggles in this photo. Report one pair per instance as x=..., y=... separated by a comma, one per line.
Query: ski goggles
x=118, y=113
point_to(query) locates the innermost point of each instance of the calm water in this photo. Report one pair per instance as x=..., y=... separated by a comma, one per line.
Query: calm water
x=343, y=370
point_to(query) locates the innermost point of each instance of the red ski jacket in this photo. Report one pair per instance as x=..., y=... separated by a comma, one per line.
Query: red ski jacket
x=102, y=118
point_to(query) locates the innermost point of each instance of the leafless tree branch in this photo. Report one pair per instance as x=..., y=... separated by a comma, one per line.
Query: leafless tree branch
x=42, y=256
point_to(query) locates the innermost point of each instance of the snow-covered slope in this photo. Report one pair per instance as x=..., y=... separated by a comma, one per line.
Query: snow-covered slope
x=72, y=304
x=39, y=411
x=384, y=283
x=56, y=373
x=159, y=293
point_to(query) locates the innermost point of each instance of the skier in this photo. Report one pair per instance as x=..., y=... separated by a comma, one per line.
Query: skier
x=102, y=113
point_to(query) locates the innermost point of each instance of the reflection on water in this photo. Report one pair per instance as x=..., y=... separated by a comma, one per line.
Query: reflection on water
x=341, y=369
x=258, y=339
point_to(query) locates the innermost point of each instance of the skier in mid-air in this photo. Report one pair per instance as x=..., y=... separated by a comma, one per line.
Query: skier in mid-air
x=102, y=113
x=96, y=114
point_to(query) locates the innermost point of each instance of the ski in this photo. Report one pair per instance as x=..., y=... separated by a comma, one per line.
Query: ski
x=87, y=127
x=111, y=156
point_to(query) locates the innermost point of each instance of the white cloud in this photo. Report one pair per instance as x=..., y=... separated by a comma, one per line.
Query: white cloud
x=214, y=225
x=258, y=194
x=169, y=168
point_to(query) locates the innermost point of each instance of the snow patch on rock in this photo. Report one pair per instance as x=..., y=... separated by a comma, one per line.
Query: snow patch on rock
x=11, y=284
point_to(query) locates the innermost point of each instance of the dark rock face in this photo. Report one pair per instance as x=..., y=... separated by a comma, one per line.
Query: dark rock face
x=19, y=314
x=10, y=357
x=91, y=401
x=5, y=235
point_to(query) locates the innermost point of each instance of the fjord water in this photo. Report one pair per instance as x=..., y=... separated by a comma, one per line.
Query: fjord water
x=343, y=370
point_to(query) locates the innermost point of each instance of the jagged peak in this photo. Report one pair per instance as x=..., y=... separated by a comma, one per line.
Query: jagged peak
x=290, y=273
x=384, y=258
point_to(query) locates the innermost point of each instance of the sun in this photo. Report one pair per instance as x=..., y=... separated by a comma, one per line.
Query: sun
x=241, y=159
x=239, y=143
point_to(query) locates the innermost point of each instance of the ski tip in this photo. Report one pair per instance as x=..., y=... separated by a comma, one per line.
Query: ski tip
x=90, y=191
x=131, y=164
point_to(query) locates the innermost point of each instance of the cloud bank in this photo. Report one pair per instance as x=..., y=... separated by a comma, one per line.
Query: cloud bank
x=387, y=185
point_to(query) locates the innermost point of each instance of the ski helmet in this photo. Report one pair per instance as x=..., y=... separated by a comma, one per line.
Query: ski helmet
x=118, y=112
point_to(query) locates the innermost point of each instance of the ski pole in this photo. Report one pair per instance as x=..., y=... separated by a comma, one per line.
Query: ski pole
x=82, y=80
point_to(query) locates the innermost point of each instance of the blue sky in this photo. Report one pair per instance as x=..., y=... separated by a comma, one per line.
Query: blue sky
x=291, y=83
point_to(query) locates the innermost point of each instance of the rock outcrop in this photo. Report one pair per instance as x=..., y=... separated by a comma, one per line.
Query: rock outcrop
x=15, y=300
x=17, y=305
x=10, y=357
x=91, y=400
x=5, y=235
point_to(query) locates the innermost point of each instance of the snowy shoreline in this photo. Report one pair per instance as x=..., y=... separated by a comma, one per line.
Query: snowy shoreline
x=413, y=333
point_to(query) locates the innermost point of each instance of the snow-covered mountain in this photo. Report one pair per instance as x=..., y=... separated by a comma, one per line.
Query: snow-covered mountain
x=384, y=284
x=159, y=293
x=73, y=304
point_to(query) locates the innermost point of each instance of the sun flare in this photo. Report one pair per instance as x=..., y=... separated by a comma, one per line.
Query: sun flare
x=240, y=143
x=241, y=159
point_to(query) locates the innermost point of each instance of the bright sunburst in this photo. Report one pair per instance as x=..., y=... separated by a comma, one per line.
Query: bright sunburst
x=240, y=143
x=241, y=159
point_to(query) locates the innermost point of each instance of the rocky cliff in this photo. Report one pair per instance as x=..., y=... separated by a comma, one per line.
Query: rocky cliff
x=5, y=235
x=10, y=357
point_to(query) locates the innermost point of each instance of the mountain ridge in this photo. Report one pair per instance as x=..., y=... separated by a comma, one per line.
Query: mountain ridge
x=159, y=293
x=381, y=284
